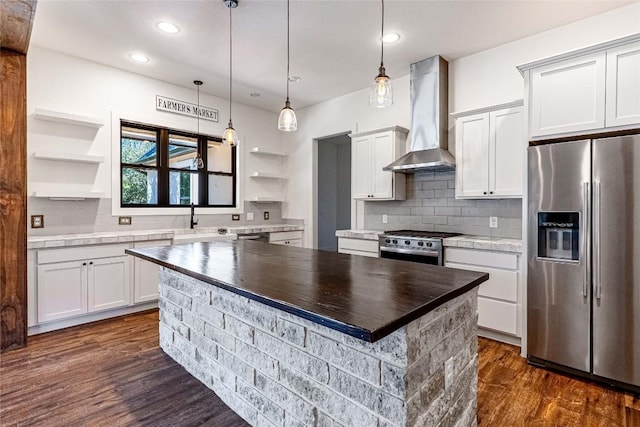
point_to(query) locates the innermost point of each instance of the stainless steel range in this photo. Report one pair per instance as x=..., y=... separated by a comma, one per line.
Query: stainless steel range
x=418, y=246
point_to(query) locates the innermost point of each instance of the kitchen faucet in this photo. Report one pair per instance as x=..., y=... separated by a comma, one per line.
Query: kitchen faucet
x=194, y=222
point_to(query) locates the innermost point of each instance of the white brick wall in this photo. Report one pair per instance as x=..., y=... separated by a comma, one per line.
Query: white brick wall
x=277, y=369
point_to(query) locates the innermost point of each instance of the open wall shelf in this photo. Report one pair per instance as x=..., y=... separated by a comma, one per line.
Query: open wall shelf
x=68, y=157
x=68, y=195
x=266, y=175
x=258, y=150
x=70, y=119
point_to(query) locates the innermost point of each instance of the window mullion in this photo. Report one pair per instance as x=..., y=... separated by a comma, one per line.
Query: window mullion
x=163, y=167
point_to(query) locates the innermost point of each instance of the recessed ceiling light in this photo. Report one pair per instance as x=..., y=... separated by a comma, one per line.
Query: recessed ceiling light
x=295, y=79
x=254, y=94
x=167, y=27
x=391, y=38
x=138, y=57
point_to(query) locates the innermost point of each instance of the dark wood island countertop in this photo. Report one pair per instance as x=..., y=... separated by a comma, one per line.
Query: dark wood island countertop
x=367, y=298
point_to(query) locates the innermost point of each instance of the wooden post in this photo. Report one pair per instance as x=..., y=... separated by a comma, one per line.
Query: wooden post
x=16, y=21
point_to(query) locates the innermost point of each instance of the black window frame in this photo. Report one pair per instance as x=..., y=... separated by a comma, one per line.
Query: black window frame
x=163, y=169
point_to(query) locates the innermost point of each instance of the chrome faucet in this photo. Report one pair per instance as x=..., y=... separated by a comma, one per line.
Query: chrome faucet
x=194, y=222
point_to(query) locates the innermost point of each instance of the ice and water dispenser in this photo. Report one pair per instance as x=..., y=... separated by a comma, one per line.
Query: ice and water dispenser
x=559, y=236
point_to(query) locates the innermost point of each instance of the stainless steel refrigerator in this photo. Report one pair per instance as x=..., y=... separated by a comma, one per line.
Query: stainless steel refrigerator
x=583, y=290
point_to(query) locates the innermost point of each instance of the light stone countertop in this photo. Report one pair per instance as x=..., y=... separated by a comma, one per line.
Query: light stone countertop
x=484, y=242
x=66, y=240
x=359, y=234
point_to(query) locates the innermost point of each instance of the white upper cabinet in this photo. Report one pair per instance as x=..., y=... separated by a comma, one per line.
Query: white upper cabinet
x=569, y=96
x=588, y=91
x=623, y=85
x=490, y=150
x=370, y=152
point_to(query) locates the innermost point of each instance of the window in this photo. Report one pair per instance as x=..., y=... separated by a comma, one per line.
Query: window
x=159, y=168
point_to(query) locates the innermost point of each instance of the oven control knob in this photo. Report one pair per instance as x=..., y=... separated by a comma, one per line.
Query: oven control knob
x=407, y=242
x=395, y=241
x=429, y=244
x=387, y=241
x=420, y=243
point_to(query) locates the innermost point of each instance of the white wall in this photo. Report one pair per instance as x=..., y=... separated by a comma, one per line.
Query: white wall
x=483, y=79
x=67, y=84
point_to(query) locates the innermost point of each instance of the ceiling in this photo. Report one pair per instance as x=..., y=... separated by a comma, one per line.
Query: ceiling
x=334, y=44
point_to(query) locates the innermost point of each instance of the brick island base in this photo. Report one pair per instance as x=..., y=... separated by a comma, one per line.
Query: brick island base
x=277, y=369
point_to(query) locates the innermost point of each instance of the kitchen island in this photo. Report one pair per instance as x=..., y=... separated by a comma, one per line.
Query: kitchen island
x=292, y=336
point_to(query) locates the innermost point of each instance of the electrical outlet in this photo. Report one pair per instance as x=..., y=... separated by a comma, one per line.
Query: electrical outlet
x=266, y=216
x=249, y=216
x=448, y=373
x=37, y=221
x=385, y=219
x=493, y=222
x=124, y=220
x=235, y=217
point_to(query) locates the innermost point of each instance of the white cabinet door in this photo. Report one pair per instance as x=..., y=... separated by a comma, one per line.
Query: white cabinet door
x=472, y=155
x=62, y=290
x=383, y=150
x=623, y=85
x=568, y=96
x=506, y=152
x=32, y=290
x=145, y=282
x=109, y=283
x=361, y=159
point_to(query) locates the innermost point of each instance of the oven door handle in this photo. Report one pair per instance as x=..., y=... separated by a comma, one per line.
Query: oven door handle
x=410, y=251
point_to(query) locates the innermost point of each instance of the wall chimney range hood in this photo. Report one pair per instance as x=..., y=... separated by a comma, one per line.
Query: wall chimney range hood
x=429, y=119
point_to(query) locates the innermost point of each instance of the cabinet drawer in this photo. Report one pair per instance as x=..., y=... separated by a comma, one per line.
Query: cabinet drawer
x=483, y=258
x=498, y=315
x=285, y=235
x=346, y=244
x=361, y=253
x=502, y=284
x=81, y=253
x=295, y=242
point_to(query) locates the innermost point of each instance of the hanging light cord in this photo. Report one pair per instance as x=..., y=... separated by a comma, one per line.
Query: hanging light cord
x=198, y=86
x=287, y=51
x=230, y=64
x=381, y=36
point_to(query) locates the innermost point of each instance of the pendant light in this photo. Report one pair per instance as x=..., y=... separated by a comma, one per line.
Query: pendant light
x=381, y=94
x=287, y=121
x=230, y=136
x=197, y=161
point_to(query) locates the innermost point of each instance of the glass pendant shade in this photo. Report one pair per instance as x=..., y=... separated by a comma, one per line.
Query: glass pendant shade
x=287, y=121
x=381, y=94
x=230, y=136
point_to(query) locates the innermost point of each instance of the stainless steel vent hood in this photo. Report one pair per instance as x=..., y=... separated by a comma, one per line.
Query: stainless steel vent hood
x=429, y=121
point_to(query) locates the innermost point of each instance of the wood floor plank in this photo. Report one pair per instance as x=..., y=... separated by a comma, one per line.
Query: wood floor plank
x=112, y=373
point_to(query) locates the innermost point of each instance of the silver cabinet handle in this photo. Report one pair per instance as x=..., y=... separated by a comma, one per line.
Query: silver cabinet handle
x=597, y=243
x=586, y=199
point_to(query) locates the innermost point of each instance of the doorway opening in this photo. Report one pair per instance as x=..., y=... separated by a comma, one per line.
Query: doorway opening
x=333, y=205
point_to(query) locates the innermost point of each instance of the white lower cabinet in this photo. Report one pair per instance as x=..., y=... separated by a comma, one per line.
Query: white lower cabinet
x=499, y=297
x=75, y=281
x=289, y=238
x=361, y=247
x=146, y=274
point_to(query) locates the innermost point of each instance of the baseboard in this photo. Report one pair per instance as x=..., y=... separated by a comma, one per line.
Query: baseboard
x=497, y=336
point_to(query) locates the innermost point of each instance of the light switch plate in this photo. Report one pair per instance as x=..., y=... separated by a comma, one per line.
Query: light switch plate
x=249, y=216
x=266, y=215
x=385, y=219
x=493, y=222
x=124, y=220
x=37, y=221
x=448, y=373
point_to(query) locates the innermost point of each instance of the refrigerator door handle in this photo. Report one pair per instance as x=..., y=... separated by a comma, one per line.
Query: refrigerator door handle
x=586, y=202
x=597, y=276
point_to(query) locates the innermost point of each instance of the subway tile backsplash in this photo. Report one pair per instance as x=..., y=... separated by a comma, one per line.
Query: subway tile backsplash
x=90, y=216
x=431, y=205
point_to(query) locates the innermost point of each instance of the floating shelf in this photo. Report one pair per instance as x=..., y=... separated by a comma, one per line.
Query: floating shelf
x=66, y=157
x=70, y=119
x=267, y=175
x=258, y=150
x=266, y=199
x=68, y=195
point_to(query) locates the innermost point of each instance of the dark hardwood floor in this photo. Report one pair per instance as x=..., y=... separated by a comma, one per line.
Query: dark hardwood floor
x=112, y=373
